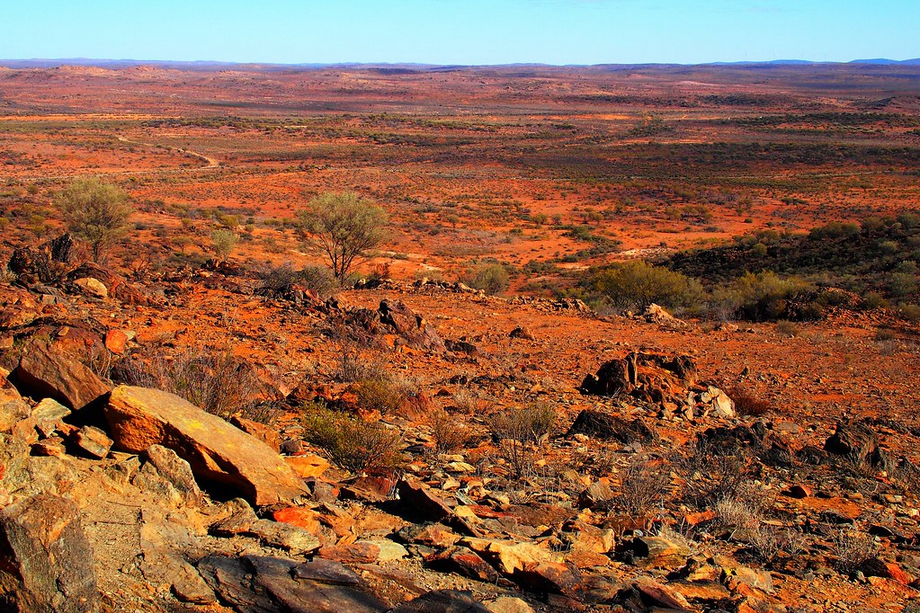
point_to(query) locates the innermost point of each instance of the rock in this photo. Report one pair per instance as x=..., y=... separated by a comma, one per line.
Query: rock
x=463, y=561
x=759, y=579
x=93, y=441
x=238, y=519
x=441, y=601
x=93, y=288
x=659, y=552
x=420, y=501
x=509, y=604
x=874, y=567
x=13, y=408
x=302, y=517
x=856, y=440
x=547, y=577
x=46, y=263
x=662, y=596
x=798, y=491
x=48, y=415
x=262, y=432
x=46, y=563
x=522, y=332
x=462, y=347
x=361, y=552
x=509, y=557
x=116, y=341
x=611, y=427
x=308, y=465
x=278, y=585
x=217, y=451
x=409, y=325
x=45, y=373
x=176, y=471
x=286, y=536
x=596, y=495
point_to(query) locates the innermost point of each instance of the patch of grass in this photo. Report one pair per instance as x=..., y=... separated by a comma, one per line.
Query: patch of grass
x=351, y=442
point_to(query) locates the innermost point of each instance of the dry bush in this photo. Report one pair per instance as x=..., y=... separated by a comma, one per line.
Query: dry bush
x=351, y=442
x=712, y=472
x=450, y=434
x=518, y=431
x=215, y=381
x=354, y=366
x=467, y=401
x=746, y=403
x=851, y=550
x=387, y=394
x=643, y=485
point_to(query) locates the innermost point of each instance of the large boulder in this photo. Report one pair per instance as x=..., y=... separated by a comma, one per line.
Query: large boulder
x=44, y=372
x=45, y=263
x=853, y=439
x=217, y=451
x=46, y=563
x=611, y=427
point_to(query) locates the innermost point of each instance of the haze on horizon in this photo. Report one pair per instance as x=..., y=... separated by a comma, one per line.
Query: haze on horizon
x=463, y=31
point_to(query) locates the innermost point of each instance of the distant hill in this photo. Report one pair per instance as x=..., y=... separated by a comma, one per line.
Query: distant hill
x=206, y=65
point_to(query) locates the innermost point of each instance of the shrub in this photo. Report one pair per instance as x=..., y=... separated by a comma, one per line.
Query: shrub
x=344, y=226
x=317, y=278
x=759, y=297
x=747, y=404
x=385, y=393
x=223, y=242
x=852, y=550
x=449, y=433
x=490, y=278
x=96, y=212
x=518, y=431
x=215, y=381
x=351, y=442
x=643, y=484
x=636, y=285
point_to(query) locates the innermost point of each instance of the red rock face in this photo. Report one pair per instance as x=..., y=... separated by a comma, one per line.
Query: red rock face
x=216, y=450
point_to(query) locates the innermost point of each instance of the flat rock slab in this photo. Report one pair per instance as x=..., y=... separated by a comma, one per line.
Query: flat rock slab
x=46, y=373
x=217, y=451
x=47, y=562
x=252, y=584
x=442, y=601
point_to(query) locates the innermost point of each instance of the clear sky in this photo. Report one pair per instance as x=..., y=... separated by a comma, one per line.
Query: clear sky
x=461, y=31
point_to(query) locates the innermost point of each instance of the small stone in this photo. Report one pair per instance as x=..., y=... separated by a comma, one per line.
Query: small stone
x=92, y=287
x=93, y=441
x=307, y=465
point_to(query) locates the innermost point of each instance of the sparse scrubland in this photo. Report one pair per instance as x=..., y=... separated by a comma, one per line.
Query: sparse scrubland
x=510, y=339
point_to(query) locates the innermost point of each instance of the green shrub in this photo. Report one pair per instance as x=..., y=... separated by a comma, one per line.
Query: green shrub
x=351, y=442
x=317, y=278
x=636, y=285
x=490, y=278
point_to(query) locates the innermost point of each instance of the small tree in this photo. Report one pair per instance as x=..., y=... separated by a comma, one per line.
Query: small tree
x=96, y=212
x=223, y=242
x=345, y=226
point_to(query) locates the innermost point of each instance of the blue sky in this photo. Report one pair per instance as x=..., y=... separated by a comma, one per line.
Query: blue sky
x=461, y=31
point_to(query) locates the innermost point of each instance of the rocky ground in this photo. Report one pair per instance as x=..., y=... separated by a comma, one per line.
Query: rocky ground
x=498, y=454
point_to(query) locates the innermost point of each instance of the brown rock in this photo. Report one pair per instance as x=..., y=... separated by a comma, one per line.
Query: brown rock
x=856, y=440
x=663, y=596
x=12, y=407
x=798, y=491
x=46, y=373
x=509, y=604
x=93, y=288
x=46, y=563
x=238, y=518
x=116, y=341
x=875, y=567
x=48, y=415
x=660, y=552
x=51, y=447
x=260, y=431
x=522, y=332
x=509, y=557
x=352, y=553
x=93, y=441
x=217, y=451
x=419, y=500
x=611, y=427
x=292, y=538
x=302, y=517
x=463, y=561
x=176, y=471
x=441, y=601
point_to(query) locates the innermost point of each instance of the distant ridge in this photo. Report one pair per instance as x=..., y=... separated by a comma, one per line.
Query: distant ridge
x=208, y=65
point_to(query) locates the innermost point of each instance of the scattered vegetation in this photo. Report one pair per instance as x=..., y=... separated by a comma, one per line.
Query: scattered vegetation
x=351, y=442
x=96, y=212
